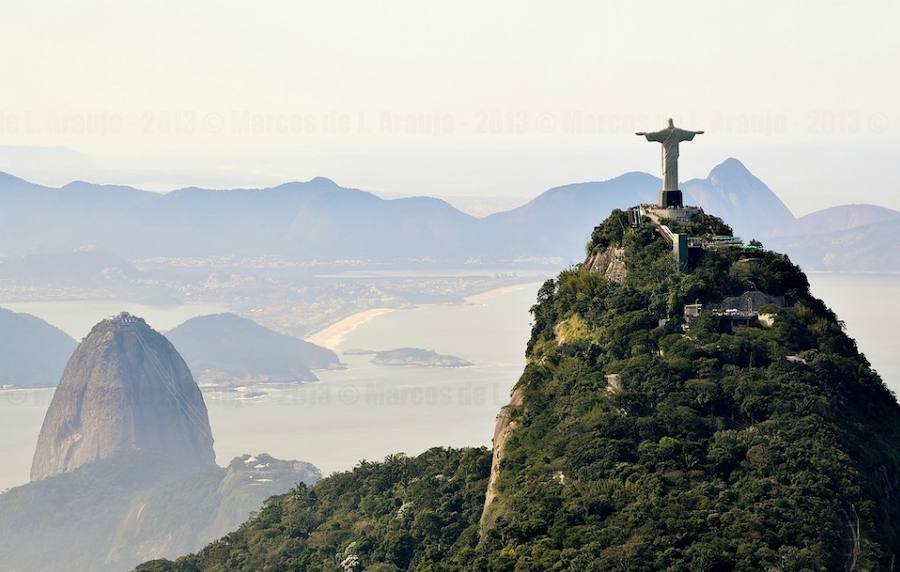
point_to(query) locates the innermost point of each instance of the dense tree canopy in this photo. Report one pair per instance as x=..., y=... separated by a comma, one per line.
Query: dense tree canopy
x=724, y=447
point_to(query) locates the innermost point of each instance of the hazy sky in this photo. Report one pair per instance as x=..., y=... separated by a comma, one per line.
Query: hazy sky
x=452, y=98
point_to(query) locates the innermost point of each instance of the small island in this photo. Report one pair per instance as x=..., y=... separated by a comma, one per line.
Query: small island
x=411, y=357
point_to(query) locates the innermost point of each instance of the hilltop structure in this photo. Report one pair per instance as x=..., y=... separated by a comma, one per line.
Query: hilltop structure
x=670, y=206
x=670, y=137
x=670, y=211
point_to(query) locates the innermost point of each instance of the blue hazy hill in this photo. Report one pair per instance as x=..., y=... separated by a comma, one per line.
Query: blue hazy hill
x=228, y=346
x=318, y=219
x=32, y=352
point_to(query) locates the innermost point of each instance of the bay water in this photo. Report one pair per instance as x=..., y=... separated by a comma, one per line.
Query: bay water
x=367, y=411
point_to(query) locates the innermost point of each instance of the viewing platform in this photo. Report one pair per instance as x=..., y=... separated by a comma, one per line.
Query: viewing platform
x=660, y=214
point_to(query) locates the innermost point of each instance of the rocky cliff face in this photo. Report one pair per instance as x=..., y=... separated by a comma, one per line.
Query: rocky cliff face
x=503, y=430
x=125, y=391
x=609, y=262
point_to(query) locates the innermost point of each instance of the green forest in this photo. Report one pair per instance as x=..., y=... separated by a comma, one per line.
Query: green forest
x=724, y=447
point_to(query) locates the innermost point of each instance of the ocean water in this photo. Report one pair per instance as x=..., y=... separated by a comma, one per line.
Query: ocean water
x=368, y=411
x=22, y=411
x=21, y=414
x=869, y=306
x=363, y=412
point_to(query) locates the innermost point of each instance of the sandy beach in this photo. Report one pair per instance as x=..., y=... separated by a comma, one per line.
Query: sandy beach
x=332, y=336
x=484, y=296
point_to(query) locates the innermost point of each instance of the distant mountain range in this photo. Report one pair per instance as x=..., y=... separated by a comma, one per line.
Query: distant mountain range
x=841, y=218
x=320, y=220
x=847, y=238
x=559, y=221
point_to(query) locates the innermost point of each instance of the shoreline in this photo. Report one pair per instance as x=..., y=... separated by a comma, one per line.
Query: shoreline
x=482, y=297
x=332, y=335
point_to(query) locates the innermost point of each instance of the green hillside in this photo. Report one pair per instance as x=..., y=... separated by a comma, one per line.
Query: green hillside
x=758, y=444
x=403, y=513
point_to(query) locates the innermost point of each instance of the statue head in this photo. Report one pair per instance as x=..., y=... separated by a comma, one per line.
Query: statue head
x=671, y=124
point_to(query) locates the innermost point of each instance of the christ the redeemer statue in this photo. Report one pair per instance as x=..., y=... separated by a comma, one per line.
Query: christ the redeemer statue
x=670, y=137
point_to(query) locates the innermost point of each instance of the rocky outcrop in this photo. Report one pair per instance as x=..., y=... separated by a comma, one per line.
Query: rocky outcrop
x=610, y=262
x=124, y=392
x=124, y=469
x=502, y=432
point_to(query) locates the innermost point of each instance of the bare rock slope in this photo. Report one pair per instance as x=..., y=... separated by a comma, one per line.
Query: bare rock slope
x=124, y=469
x=125, y=391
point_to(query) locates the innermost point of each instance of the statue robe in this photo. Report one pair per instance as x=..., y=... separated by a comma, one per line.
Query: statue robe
x=670, y=138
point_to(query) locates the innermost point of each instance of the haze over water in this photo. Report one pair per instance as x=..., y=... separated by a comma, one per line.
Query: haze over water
x=368, y=411
x=362, y=412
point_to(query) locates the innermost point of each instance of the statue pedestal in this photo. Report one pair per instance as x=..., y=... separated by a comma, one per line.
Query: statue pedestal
x=670, y=199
